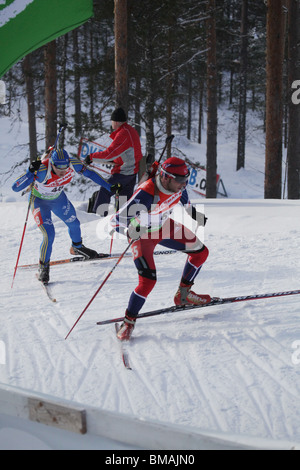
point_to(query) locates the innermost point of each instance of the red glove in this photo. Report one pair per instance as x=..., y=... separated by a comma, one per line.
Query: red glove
x=153, y=170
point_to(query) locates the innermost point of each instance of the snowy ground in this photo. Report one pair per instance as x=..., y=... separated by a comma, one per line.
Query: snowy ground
x=232, y=368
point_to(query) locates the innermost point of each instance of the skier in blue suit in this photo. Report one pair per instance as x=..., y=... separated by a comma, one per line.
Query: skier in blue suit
x=49, y=177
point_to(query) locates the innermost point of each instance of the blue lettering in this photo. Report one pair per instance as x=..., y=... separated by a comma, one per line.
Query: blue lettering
x=84, y=150
x=193, y=177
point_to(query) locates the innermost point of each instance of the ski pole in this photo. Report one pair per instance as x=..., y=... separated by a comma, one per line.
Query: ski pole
x=117, y=196
x=23, y=234
x=168, y=141
x=61, y=129
x=153, y=169
x=100, y=287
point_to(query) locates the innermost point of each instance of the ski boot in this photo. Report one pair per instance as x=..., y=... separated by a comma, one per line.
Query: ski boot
x=184, y=296
x=126, y=329
x=83, y=251
x=44, y=269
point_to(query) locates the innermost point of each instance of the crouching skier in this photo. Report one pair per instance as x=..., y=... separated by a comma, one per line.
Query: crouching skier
x=145, y=219
x=49, y=177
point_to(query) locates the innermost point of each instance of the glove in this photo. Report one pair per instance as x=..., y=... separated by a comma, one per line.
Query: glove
x=47, y=153
x=200, y=218
x=153, y=170
x=115, y=188
x=88, y=160
x=134, y=230
x=34, y=166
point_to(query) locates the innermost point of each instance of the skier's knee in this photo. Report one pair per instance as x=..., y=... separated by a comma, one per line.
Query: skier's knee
x=199, y=257
x=146, y=283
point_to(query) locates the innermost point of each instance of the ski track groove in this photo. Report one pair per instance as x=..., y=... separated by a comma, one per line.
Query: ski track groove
x=121, y=373
x=257, y=362
x=179, y=377
x=108, y=391
x=255, y=400
x=262, y=344
x=143, y=367
x=254, y=396
x=197, y=383
x=144, y=373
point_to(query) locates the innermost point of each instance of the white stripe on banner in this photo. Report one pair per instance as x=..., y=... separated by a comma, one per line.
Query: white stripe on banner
x=11, y=11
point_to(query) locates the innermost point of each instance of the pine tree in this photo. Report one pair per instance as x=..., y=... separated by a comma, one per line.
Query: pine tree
x=293, y=152
x=212, y=118
x=274, y=95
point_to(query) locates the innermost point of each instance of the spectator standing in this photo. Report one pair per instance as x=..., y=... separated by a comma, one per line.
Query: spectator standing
x=125, y=154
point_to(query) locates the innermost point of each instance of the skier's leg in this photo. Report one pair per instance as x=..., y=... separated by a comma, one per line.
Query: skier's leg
x=42, y=216
x=64, y=209
x=143, y=259
x=182, y=239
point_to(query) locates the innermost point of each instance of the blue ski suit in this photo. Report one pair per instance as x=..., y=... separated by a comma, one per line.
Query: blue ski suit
x=48, y=196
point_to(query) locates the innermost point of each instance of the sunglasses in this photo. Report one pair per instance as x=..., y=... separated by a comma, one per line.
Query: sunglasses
x=62, y=166
x=178, y=178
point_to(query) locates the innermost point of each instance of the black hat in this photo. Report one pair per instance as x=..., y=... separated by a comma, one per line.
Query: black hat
x=119, y=115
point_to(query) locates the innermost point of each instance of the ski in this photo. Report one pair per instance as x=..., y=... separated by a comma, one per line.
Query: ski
x=214, y=301
x=46, y=290
x=101, y=256
x=123, y=350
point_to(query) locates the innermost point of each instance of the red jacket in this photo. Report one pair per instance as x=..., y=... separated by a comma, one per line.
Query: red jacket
x=125, y=151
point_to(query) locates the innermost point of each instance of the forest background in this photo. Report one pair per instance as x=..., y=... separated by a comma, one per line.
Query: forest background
x=166, y=62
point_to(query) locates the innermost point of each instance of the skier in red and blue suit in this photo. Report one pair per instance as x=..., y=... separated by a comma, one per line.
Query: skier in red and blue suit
x=49, y=178
x=145, y=219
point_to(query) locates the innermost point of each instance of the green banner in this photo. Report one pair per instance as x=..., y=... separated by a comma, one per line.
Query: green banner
x=26, y=25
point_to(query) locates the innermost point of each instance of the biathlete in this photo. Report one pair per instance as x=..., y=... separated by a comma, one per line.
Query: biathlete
x=145, y=220
x=49, y=177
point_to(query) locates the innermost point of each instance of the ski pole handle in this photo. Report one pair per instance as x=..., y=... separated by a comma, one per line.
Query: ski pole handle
x=61, y=129
x=155, y=164
x=168, y=141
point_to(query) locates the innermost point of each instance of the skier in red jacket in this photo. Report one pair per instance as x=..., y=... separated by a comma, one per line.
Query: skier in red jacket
x=146, y=220
x=125, y=153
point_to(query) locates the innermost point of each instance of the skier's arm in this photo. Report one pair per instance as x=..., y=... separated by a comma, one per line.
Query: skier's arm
x=35, y=168
x=116, y=148
x=92, y=175
x=200, y=218
x=129, y=214
x=191, y=210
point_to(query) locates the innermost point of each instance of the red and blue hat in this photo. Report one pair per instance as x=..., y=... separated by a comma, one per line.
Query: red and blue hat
x=176, y=168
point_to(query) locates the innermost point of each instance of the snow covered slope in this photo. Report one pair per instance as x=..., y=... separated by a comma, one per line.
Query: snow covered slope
x=234, y=369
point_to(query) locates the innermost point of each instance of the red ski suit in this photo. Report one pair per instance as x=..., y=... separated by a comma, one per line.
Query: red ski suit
x=152, y=206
